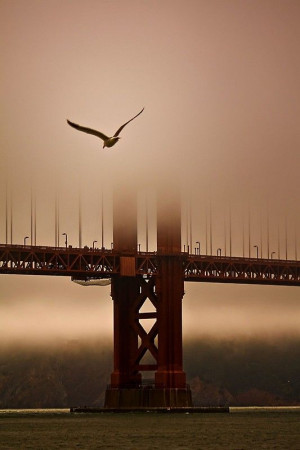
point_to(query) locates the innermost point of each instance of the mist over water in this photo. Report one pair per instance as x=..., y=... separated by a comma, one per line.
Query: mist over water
x=221, y=371
x=46, y=309
x=220, y=85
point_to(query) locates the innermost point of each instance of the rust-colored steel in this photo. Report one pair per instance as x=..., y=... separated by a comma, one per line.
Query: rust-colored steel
x=165, y=292
x=169, y=222
x=170, y=290
x=129, y=293
x=137, y=277
x=125, y=289
x=131, y=340
x=124, y=292
x=86, y=262
x=125, y=220
x=242, y=270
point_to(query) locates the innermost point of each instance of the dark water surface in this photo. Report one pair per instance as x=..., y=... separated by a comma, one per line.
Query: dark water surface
x=242, y=428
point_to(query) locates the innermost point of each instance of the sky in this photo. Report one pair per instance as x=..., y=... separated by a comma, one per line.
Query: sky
x=219, y=81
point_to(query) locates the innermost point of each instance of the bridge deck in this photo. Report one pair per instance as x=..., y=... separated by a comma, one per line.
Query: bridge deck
x=84, y=263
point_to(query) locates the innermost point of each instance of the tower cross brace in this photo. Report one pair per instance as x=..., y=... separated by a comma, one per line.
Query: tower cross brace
x=165, y=291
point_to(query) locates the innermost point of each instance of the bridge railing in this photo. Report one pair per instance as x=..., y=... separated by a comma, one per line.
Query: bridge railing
x=93, y=263
x=242, y=270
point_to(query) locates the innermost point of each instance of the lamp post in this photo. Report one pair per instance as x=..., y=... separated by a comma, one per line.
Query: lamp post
x=139, y=246
x=256, y=246
x=273, y=253
x=94, y=244
x=197, y=242
x=66, y=241
x=219, y=250
x=26, y=237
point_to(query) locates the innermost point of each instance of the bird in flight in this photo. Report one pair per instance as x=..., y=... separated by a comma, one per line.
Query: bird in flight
x=107, y=140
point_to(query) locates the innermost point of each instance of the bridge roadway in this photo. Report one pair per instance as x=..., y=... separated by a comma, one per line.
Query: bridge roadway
x=88, y=263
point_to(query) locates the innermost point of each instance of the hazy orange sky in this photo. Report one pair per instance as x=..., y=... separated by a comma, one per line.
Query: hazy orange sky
x=219, y=81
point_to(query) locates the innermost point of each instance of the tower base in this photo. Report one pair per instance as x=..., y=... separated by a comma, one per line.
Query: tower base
x=154, y=410
x=144, y=397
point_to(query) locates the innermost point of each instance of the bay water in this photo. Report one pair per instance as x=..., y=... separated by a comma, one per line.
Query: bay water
x=241, y=429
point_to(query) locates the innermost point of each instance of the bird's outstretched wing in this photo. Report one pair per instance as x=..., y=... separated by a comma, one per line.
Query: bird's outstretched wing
x=88, y=130
x=121, y=128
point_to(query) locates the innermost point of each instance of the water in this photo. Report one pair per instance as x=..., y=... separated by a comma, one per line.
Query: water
x=243, y=428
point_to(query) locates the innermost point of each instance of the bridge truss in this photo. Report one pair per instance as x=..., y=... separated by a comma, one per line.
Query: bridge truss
x=86, y=263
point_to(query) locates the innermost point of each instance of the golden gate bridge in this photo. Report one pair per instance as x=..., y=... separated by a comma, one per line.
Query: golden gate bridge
x=136, y=276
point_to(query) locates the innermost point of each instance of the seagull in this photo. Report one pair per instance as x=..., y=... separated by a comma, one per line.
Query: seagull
x=107, y=141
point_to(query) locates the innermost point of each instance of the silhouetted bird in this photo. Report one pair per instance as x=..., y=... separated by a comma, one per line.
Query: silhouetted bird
x=107, y=141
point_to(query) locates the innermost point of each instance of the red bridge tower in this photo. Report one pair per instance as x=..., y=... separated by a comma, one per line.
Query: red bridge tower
x=129, y=293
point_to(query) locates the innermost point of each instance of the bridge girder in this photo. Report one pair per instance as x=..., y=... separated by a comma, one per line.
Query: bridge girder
x=88, y=263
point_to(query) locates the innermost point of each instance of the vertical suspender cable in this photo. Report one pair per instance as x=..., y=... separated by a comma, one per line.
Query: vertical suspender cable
x=268, y=232
x=296, y=252
x=261, y=233
x=34, y=206
x=210, y=227
x=286, y=239
x=55, y=231
x=230, y=232
x=249, y=230
x=31, y=217
x=147, y=224
x=79, y=219
x=243, y=225
x=191, y=225
x=206, y=231
x=6, y=215
x=225, y=234
x=102, y=220
x=278, y=241
x=58, y=232
x=55, y=220
x=11, y=218
x=187, y=225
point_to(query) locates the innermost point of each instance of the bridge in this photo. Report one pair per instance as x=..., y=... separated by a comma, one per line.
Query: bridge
x=136, y=276
x=92, y=264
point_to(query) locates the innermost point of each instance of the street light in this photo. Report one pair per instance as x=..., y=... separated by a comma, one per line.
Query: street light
x=139, y=245
x=273, y=253
x=26, y=237
x=66, y=241
x=197, y=242
x=256, y=246
x=219, y=250
x=112, y=245
x=94, y=244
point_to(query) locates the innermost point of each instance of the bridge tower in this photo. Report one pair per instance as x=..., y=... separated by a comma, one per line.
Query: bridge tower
x=163, y=341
